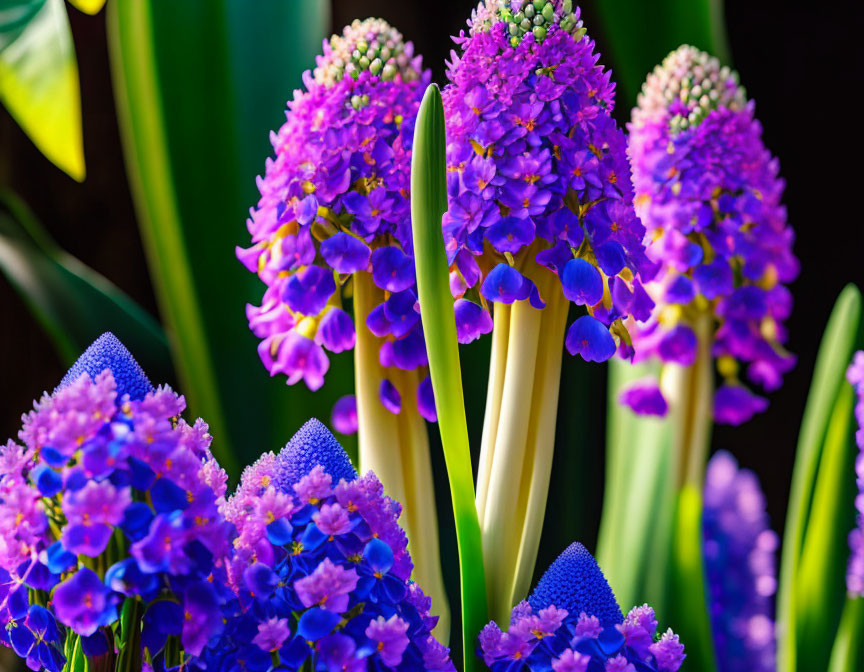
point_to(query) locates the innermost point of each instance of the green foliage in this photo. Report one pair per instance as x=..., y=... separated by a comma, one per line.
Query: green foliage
x=640, y=34
x=199, y=86
x=820, y=512
x=39, y=79
x=72, y=302
x=428, y=204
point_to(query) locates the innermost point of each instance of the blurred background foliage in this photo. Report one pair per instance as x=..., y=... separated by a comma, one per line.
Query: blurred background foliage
x=176, y=104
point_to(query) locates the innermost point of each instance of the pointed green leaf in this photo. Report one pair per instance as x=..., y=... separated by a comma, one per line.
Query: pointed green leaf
x=428, y=205
x=199, y=86
x=638, y=497
x=848, y=652
x=821, y=429
x=73, y=302
x=39, y=79
x=640, y=34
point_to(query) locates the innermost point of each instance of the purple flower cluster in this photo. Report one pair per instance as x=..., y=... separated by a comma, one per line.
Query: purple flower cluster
x=709, y=195
x=320, y=570
x=572, y=623
x=855, y=570
x=112, y=499
x=740, y=567
x=539, y=186
x=335, y=204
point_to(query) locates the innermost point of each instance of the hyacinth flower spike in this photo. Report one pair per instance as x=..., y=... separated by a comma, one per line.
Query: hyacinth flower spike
x=109, y=522
x=572, y=623
x=319, y=575
x=540, y=216
x=333, y=223
x=708, y=193
x=740, y=553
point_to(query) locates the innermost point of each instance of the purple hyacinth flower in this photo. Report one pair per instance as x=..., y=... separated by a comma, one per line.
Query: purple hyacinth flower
x=591, y=339
x=390, y=397
x=709, y=194
x=855, y=568
x=735, y=405
x=313, y=445
x=572, y=623
x=328, y=587
x=581, y=282
x=504, y=284
x=308, y=291
x=426, y=400
x=389, y=638
x=472, y=320
x=346, y=253
x=644, y=397
x=200, y=603
x=82, y=602
x=740, y=567
x=344, y=417
x=298, y=357
x=339, y=652
x=393, y=270
x=272, y=634
x=336, y=331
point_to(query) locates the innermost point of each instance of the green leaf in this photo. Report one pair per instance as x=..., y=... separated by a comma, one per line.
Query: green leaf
x=640, y=34
x=73, y=302
x=199, y=85
x=824, y=465
x=39, y=79
x=638, y=496
x=428, y=205
x=848, y=652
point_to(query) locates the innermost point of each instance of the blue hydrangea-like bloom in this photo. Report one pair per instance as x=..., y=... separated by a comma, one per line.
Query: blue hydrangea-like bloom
x=588, y=634
x=119, y=482
x=855, y=570
x=106, y=352
x=335, y=204
x=709, y=194
x=740, y=566
x=320, y=567
x=539, y=183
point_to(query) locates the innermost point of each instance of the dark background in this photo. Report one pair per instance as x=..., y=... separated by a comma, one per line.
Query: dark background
x=802, y=66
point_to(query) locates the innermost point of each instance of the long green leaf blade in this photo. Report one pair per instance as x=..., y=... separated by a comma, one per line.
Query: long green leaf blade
x=847, y=654
x=842, y=336
x=641, y=33
x=219, y=72
x=428, y=205
x=39, y=79
x=73, y=303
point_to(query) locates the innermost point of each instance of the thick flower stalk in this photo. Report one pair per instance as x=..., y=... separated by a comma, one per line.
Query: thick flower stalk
x=572, y=623
x=109, y=522
x=334, y=222
x=740, y=567
x=319, y=573
x=540, y=216
x=855, y=571
x=709, y=195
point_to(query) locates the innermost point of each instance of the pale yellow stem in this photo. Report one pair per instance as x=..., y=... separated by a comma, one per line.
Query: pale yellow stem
x=497, y=368
x=689, y=391
x=541, y=437
x=396, y=448
x=501, y=525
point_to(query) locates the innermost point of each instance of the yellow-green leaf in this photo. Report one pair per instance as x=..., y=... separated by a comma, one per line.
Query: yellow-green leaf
x=39, y=79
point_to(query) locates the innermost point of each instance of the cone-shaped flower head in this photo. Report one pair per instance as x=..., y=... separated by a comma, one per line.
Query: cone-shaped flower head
x=855, y=570
x=108, y=464
x=587, y=634
x=575, y=582
x=709, y=195
x=539, y=183
x=740, y=566
x=320, y=567
x=107, y=352
x=335, y=202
